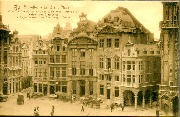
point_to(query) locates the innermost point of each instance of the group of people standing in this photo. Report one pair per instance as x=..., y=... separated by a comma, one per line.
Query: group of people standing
x=36, y=111
x=113, y=105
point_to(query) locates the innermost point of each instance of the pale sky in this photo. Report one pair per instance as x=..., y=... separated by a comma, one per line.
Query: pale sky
x=149, y=13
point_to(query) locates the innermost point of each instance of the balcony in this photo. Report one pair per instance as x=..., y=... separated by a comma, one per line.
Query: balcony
x=169, y=24
x=168, y=88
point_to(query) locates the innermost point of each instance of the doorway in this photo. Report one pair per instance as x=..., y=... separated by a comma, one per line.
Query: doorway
x=108, y=93
x=82, y=90
x=51, y=89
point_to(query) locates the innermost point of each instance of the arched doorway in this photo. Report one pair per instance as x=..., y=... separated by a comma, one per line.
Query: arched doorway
x=147, y=96
x=165, y=104
x=128, y=98
x=140, y=98
x=154, y=94
x=175, y=105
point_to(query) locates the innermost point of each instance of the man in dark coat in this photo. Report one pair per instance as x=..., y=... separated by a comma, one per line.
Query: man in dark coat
x=82, y=109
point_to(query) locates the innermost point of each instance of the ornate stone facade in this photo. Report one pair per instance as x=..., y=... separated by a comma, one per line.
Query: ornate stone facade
x=168, y=89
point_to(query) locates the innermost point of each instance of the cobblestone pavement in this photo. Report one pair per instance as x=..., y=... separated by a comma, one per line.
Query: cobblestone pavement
x=65, y=108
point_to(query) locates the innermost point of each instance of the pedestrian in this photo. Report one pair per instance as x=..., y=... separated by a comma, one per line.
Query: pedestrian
x=112, y=107
x=27, y=95
x=37, y=111
x=82, y=109
x=52, y=112
x=157, y=112
x=122, y=107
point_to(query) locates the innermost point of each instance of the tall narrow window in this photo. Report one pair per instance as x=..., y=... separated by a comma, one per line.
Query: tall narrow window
x=74, y=51
x=108, y=43
x=101, y=89
x=64, y=48
x=82, y=68
x=51, y=58
x=63, y=71
x=101, y=63
x=133, y=65
x=128, y=65
x=58, y=48
x=64, y=87
x=116, y=78
x=90, y=69
x=52, y=72
x=91, y=52
x=108, y=63
x=128, y=79
x=82, y=53
x=108, y=77
x=57, y=71
x=35, y=73
x=101, y=45
x=134, y=78
x=116, y=91
x=101, y=76
x=57, y=58
x=74, y=70
x=40, y=73
x=140, y=65
x=116, y=43
x=63, y=58
x=124, y=65
x=116, y=63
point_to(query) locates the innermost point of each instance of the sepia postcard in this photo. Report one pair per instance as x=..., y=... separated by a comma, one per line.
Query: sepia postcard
x=89, y=58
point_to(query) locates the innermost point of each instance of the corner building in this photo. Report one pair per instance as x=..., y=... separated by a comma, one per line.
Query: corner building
x=168, y=88
x=114, y=32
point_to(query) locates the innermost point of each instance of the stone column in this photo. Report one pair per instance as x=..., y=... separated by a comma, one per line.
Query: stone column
x=87, y=88
x=15, y=85
x=43, y=87
x=150, y=101
x=135, y=96
x=143, y=101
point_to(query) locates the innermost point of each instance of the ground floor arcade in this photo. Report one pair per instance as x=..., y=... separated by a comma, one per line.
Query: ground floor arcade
x=169, y=103
x=12, y=85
